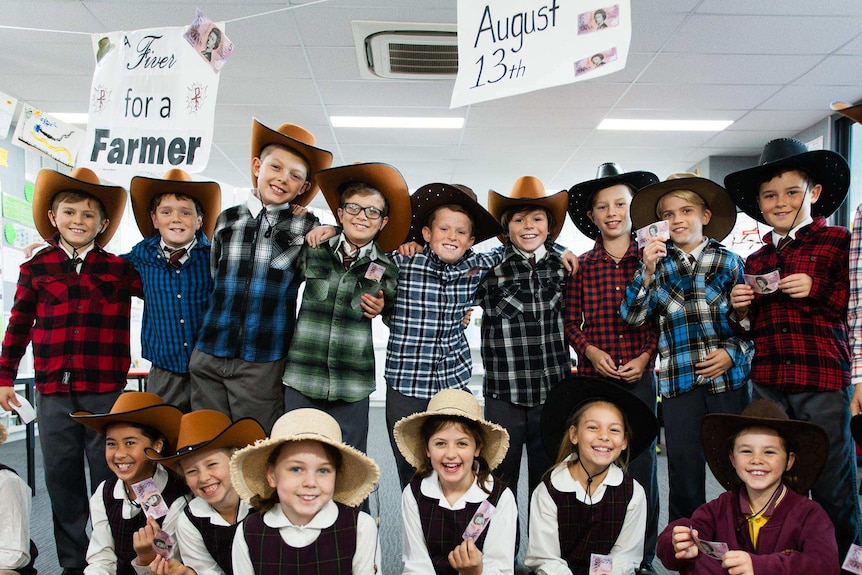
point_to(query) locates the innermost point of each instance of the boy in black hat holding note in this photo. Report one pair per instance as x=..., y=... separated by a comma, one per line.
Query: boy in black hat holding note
x=802, y=359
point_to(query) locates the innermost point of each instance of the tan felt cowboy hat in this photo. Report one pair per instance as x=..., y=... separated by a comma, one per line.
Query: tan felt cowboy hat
x=137, y=407
x=382, y=177
x=607, y=175
x=529, y=191
x=176, y=181
x=207, y=429
x=432, y=196
x=296, y=138
x=354, y=480
x=575, y=391
x=828, y=168
x=50, y=182
x=718, y=202
x=807, y=440
x=848, y=110
x=450, y=403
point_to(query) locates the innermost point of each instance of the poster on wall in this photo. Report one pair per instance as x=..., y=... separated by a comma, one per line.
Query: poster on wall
x=47, y=135
x=152, y=104
x=7, y=111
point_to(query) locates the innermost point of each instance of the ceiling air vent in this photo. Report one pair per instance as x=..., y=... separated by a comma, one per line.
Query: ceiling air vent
x=406, y=50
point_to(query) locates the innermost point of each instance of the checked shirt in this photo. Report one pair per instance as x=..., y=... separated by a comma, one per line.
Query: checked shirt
x=854, y=315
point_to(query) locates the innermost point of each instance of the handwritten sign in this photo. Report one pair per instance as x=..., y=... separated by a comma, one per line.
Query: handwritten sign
x=505, y=48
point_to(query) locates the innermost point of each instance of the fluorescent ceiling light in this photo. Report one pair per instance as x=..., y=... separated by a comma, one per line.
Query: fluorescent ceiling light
x=395, y=122
x=665, y=125
x=70, y=118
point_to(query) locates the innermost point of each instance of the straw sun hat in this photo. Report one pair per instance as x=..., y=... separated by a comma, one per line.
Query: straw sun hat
x=457, y=403
x=354, y=480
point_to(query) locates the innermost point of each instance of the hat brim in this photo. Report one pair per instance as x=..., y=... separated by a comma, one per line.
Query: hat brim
x=811, y=447
x=354, y=480
x=409, y=440
x=556, y=204
x=848, y=111
x=237, y=435
x=828, y=168
x=718, y=201
x=318, y=159
x=50, y=182
x=572, y=392
x=384, y=178
x=581, y=196
x=163, y=417
x=143, y=190
x=432, y=196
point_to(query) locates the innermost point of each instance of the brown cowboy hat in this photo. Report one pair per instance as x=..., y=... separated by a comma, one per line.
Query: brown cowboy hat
x=848, y=110
x=529, y=191
x=645, y=203
x=296, y=138
x=450, y=402
x=807, y=440
x=207, y=429
x=432, y=196
x=354, y=480
x=137, y=407
x=828, y=168
x=382, y=177
x=577, y=390
x=49, y=182
x=176, y=181
x=607, y=175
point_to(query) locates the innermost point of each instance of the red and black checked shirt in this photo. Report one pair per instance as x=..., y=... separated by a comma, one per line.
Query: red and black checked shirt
x=592, y=313
x=78, y=322
x=802, y=344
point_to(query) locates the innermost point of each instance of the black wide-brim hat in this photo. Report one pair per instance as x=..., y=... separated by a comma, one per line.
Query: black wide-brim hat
x=809, y=441
x=432, y=196
x=828, y=168
x=607, y=175
x=575, y=391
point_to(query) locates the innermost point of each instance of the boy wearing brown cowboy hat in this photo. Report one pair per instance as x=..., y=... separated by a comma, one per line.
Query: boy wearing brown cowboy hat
x=73, y=301
x=802, y=357
x=767, y=462
x=238, y=361
x=330, y=364
x=606, y=346
x=176, y=215
x=684, y=286
x=523, y=348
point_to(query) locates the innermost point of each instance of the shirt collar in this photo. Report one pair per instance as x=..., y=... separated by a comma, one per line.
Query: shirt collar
x=200, y=508
x=82, y=253
x=430, y=487
x=255, y=206
x=365, y=250
x=188, y=247
x=160, y=477
x=563, y=480
x=326, y=517
x=540, y=253
x=792, y=234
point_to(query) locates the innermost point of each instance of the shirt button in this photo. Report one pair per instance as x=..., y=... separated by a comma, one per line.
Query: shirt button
x=182, y=320
x=617, y=288
x=621, y=336
x=179, y=296
x=185, y=344
x=786, y=362
x=76, y=332
x=80, y=307
x=784, y=330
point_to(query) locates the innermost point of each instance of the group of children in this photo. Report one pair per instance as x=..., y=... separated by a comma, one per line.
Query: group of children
x=221, y=329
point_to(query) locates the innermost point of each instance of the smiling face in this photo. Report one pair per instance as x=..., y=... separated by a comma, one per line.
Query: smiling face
x=451, y=450
x=610, y=211
x=359, y=229
x=281, y=175
x=449, y=234
x=528, y=229
x=686, y=218
x=599, y=436
x=760, y=459
x=303, y=476
x=79, y=222
x=124, y=453
x=176, y=219
x=207, y=474
x=786, y=200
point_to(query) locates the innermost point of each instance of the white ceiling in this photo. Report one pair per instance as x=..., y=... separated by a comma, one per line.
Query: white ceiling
x=771, y=66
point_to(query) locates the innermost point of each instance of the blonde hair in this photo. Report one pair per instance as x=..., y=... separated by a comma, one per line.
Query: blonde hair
x=685, y=195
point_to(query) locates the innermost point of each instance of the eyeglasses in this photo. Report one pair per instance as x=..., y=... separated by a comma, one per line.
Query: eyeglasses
x=371, y=212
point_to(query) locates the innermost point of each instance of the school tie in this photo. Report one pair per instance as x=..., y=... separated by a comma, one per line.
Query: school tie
x=532, y=260
x=346, y=258
x=782, y=243
x=175, y=255
x=692, y=261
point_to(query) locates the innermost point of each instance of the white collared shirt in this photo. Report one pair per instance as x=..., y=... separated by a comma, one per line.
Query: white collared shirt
x=792, y=233
x=15, y=525
x=190, y=543
x=540, y=253
x=166, y=249
x=81, y=254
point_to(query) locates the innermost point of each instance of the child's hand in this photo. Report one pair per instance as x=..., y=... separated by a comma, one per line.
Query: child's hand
x=741, y=297
x=653, y=251
x=465, y=321
x=796, y=285
x=7, y=398
x=142, y=541
x=466, y=559
x=570, y=262
x=683, y=542
x=737, y=563
x=297, y=210
x=603, y=362
x=162, y=566
x=319, y=235
x=632, y=371
x=409, y=249
x=714, y=364
x=856, y=401
x=372, y=305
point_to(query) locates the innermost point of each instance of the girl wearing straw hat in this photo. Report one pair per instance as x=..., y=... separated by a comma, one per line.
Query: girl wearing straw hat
x=307, y=485
x=454, y=451
x=767, y=462
x=205, y=530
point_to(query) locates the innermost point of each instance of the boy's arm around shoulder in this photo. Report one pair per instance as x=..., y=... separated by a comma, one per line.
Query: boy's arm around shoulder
x=388, y=285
